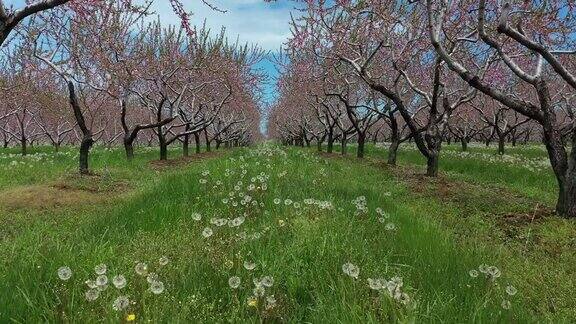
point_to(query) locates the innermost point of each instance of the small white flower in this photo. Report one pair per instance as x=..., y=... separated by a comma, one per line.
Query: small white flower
x=506, y=304
x=473, y=273
x=196, y=216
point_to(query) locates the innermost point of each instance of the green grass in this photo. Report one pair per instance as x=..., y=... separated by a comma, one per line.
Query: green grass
x=140, y=213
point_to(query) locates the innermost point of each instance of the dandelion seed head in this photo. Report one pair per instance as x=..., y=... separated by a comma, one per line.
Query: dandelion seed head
x=351, y=270
x=121, y=303
x=102, y=280
x=152, y=277
x=375, y=284
x=119, y=281
x=157, y=287
x=92, y=294
x=163, y=261
x=207, y=232
x=64, y=273
x=100, y=269
x=141, y=268
x=234, y=282
x=267, y=281
x=511, y=290
x=248, y=265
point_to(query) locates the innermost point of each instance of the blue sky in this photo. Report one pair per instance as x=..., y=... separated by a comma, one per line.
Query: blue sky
x=253, y=21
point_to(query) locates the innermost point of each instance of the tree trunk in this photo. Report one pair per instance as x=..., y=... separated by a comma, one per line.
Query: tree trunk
x=197, y=141
x=85, y=146
x=432, y=165
x=129, y=148
x=464, y=142
x=186, y=146
x=163, y=145
x=361, y=144
x=207, y=140
x=319, y=145
x=501, y=145
x=393, y=151
x=343, y=144
x=330, y=144
x=23, y=144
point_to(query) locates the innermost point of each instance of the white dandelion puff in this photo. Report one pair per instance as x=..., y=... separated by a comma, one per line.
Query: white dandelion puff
x=92, y=294
x=511, y=290
x=157, y=287
x=119, y=281
x=234, y=282
x=100, y=269
x=351, y=270
x=141, y=268
x=64, y=273
x=207, y=232
x=121, y=303
x=248, y=265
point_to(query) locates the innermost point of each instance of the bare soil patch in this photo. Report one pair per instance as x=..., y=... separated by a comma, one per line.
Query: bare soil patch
x=46, y=197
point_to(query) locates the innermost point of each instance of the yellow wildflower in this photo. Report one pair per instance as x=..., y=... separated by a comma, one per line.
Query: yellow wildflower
x=130, y=317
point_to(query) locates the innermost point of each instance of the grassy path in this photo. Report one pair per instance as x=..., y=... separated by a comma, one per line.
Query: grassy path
x=298, y=217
